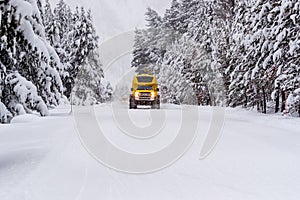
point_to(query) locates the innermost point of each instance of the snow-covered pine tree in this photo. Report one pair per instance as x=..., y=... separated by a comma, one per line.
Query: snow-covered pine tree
x=177, y=78
x=59, y=29
x=75, y=40
x=88, y=82
x=221, y=32
x=140, y=52
x=5, y=114
x=261, y=74
x=148, y=47
x=151, y=43
x=285, y=54
x=153, y=19
x=236, y=90
x=49, y=23
x=29, y=65
x=105, y=92
x=89, y=87
x=173, y=87
x=173, y=20
x=188, y=10
x=265, y=38
x=208, y=33
x=84, y=42
x=198, y=31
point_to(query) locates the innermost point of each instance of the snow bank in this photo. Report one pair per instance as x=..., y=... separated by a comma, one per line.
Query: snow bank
x=25, y=119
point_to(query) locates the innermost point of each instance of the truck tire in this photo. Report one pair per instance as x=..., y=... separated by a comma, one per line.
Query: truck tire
x=132, y=104
x=156, y=104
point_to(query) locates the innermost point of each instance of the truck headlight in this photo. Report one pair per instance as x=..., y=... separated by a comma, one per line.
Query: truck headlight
x=152, y=95
x=136, y=94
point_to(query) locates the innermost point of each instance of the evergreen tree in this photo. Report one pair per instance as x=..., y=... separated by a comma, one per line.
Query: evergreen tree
x=29, y=65
x=88, y=82
x=285, y=54
x=75, y=40
x=37, y=56
x=105, y=92
x=83, y=43
x=263, y=53
x=87, y=71
x=140, y=52
x=173, y=18
x=148, y=47
x=153, y=19
x=59, y=28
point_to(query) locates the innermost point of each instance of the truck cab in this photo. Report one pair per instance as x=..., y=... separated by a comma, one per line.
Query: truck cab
x=144, y=91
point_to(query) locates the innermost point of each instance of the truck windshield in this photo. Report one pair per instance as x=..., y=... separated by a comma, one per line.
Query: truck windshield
x=145, y=79
x=143, y=87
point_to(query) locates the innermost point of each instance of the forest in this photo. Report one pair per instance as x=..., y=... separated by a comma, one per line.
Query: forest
x=225, y=52
x=48, y=57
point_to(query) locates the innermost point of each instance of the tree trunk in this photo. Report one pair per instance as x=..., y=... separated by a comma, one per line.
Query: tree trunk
x=258, y=105
x=277, y=102
x=283, y=98
x=246, y=101
x=264, y=106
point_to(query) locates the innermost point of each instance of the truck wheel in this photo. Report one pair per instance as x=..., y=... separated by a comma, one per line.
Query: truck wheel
x=153, y=105
x=132, y=104
x=158, y=106
x=158, y=103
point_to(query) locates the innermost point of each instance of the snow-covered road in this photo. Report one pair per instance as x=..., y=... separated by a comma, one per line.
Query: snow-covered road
x=257, y=157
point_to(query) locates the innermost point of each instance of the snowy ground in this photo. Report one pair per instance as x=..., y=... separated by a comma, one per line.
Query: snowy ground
x=256, y=158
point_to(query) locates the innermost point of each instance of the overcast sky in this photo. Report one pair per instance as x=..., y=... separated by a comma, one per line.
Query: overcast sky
x=112, y=17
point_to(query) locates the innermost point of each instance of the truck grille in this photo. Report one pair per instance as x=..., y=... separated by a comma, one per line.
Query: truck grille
x=145, y=95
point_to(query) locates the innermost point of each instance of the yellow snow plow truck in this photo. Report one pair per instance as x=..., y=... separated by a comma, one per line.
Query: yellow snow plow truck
x=144, y=91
